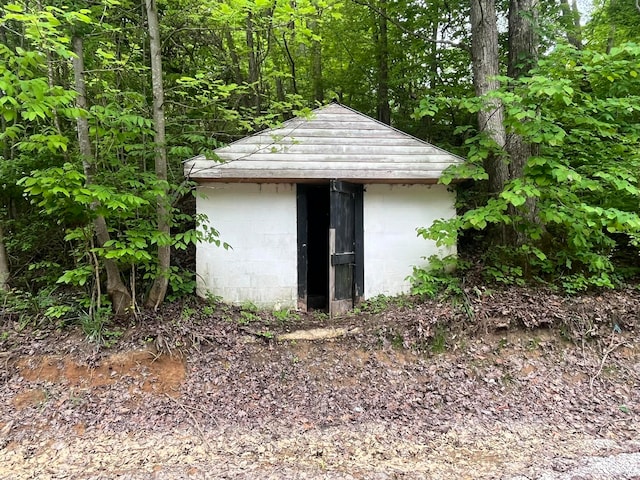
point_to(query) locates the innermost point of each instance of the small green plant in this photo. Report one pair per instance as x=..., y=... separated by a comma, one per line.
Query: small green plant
x=181, y=284
x=437, y=278
x=381, y=303
x=208, y=310
x=213, y=300
x=110, y=337
x=320, y=315
x=285, y=315
x=377, y=304
x=533, y=344
x=502, y=344
x=94, y=325
x=248, y=313
x=58, y=311
x=186, y=313
x=247, y=317
x=249, y=306
x=439, y=340
x=35, y=309
x=397, y=341
x=267, y=334
x=402, y=301
x=507, y=379
x=505, y=274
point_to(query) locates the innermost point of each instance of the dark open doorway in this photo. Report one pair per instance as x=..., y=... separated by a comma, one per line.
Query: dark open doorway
x=330, y=246
x=313, y=236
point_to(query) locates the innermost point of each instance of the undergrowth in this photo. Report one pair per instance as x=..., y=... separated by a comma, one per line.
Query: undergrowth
x=55, y=309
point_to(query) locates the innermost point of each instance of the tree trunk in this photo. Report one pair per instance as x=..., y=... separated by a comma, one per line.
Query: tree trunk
x=523, y=55
x=316, y=65
x=611, y=38
x=571, y=21
x=523, y=39
x=383, y=108
x=484, y=53
x=254, y=73
x=161, y=282
x=121, y=300
x=235, y=58
x=4, y=264
x=6, y=153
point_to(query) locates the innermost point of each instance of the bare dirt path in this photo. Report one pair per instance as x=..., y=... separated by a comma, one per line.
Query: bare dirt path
x=506, y=405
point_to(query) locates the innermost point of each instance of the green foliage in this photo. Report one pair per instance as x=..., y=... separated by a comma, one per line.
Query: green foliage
x=505, y=274
x=63, y=192
x=247, y=317
x=581, y=109
x=285, y=315
x=438, y=343
x=48, y=307
x=249, y=306
x=29, y=308
x=97, y=327
x=181, y=283
x=380, y=303
x=213, y=300
x=613, y=23
x=439, y=277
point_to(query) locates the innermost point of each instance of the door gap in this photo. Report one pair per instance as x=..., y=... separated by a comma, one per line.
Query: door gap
x=318, y=247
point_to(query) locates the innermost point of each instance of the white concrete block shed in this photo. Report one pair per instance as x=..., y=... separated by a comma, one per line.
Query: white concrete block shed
x=321, y=212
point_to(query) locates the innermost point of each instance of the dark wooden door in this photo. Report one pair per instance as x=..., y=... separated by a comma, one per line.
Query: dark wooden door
x=346, y=268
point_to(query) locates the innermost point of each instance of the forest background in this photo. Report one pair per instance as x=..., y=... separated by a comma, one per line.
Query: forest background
x=101, y=101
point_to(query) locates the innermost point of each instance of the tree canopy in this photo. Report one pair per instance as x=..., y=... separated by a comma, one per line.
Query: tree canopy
x=82, y=145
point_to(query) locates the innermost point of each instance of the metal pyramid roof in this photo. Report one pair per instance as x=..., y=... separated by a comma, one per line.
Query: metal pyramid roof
x=335, y=142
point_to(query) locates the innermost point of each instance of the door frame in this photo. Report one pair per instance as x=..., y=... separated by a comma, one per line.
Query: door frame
x=303, y=260
x=335, y=307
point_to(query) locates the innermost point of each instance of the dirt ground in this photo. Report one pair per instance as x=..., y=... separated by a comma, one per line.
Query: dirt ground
x=234, y=402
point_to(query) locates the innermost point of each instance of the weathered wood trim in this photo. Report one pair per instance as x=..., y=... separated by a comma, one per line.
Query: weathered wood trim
x=372, y=150
x=303, y=266
x=358, y=288
x=296, y=175
x=332, y=272
x=327, y=162
x=327, y=138
x=315, y=181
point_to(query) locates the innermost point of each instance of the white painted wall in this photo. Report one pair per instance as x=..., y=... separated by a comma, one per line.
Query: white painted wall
x=391, y=246
x=259, y=222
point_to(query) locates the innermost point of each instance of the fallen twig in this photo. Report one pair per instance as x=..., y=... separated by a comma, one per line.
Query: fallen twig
x=611, y=348
x=195, y=422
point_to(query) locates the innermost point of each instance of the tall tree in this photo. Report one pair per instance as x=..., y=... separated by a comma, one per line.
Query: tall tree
x=486, y=68
x=316, y=61
x=571, y=22
x=522, y=56
x=254, y=64
x=161, y=282
x=4, y=264
x=382, y=54
x=121, y=299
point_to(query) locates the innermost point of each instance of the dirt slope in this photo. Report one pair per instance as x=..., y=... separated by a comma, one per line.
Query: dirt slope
x=496, y=404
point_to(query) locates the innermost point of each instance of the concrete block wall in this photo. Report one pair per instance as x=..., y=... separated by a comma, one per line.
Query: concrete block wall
x=391, y=245
x=259, y=222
